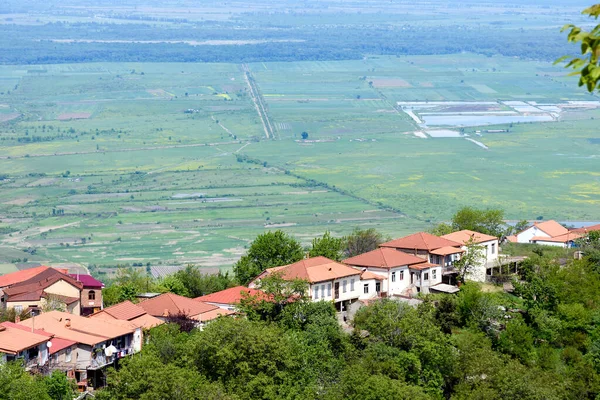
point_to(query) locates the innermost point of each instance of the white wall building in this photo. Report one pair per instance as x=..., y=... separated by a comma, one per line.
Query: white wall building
x=486, y=245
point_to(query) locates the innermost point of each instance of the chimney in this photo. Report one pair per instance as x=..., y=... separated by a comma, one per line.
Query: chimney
x=68, y=323
x=17, y=319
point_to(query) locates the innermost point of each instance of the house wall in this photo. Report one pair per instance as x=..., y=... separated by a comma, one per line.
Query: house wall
x=555, y=244
x=401, y=283
x=434, y=276
x=372, y=293
x=87, y=303
x=527, y=234
x=424, y=254
x=348, y=295
x=489, y=252
x=61, y=360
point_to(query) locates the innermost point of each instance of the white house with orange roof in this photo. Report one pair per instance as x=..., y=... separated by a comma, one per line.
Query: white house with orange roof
x=328, y=280
x=401, y=273
x=486, y=245
x=549, y=233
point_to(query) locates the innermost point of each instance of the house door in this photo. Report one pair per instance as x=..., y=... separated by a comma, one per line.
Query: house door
x=337, y=290
x=412, y=278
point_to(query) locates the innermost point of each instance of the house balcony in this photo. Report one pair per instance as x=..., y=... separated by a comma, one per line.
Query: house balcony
x=101, y=360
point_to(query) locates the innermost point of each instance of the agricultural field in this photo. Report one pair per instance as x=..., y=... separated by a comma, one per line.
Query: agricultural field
x=174, y=163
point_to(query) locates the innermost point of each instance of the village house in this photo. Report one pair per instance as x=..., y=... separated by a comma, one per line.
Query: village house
x=127, y=311
x=438, y=253
x=29, y=346
x=98, y=343
x=170, y=304
x=400, y=273
x=328, y=280
x=487, y=247
x=38, y=289
x=586, y=229
x=91, y=294
x=229, y=299
x=549, y=233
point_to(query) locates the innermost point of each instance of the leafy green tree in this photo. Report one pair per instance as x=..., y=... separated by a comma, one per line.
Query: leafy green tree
x=327, y=246
x=471, y=259
x=59, y=387
x=586, y=66
x=172, y=283
x=361, y=241
x=198, y=284
x=489, y=221
x=517, y=340
x=17, y=384
x=268, y=250
x=442, y=229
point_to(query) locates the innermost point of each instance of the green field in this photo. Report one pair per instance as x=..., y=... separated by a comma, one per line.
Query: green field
x=114, y=163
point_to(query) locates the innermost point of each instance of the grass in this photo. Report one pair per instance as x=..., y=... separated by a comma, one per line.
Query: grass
x=110, y=189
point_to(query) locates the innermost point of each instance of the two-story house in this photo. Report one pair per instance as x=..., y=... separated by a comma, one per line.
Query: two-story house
x=549, y=233
x=328, y=280
x=401, y=273
x=99, y=343
x=39, y=289
x=432, y=249
x=485, y=245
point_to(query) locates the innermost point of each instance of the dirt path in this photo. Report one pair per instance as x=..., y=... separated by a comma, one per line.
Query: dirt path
x=21, y=238
x=259, y=102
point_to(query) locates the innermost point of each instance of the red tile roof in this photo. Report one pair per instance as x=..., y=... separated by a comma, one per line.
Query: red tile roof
x=88, y=281
x=125, y=311
x=13, y=340
x=421, y=241
x=33, y=288
x=59, y=344
x=315, y=269
x=586, y=229
x=423, y=266
x=558, y=239
x=552, y=228
x=512, y=239
x=213, y=314
x=383, y=257
x=447, y=250
x=172, y=304
x=20, y=276
x=369, y=275
x=229, y=296
x=466, y=235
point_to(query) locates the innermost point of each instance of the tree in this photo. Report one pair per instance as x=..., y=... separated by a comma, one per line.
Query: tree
x=327, y=246
x=59, y=387
x=18, y=384
x=362, y=241
x=198, y=284
x=587, y=66
x=268, y=250
x=304, y=135
x=490, y=221
x=472, y=258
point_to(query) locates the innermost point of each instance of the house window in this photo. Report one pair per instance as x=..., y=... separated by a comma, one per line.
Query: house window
x=344, y=284
x=493, y=248
x=377, y=287
x=18, y=309
x=433, y=274
x=316, y=289
x=322, y=291
x=91, y=295
x=426, y=276
x=401, y=275
x=394, y=276
x=329, y=290
x=68, y=355
x=352, y=285
x=366, y=288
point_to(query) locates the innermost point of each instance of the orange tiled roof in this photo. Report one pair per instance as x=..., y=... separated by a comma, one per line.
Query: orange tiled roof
x=552, y=228
x=315, y=269
x=81, y=330
x=512, y=239
x=370, y=275
x=587, y=229
x=14, y=339
x=421, y=241
x=447, y=250
x=383, y=257
x=20, y=276
x=229, y=296
x=558, y=239
x=212, y=314
x=172, y=304
x=125, y=310
x=423, y=266
x=466, y=235
x=33, y=288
